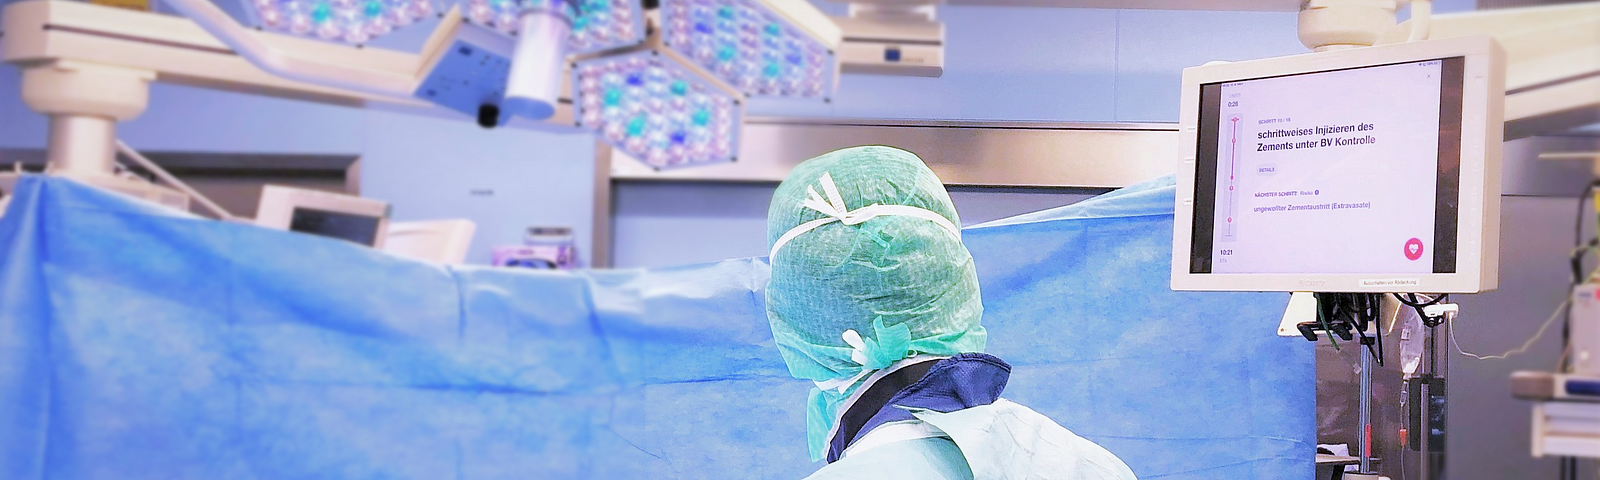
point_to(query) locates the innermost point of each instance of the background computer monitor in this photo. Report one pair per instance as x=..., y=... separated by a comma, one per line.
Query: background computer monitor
x=1366, y=170
x=360, y=220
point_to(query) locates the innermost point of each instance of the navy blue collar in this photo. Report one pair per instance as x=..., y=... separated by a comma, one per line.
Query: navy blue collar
x=963, y=381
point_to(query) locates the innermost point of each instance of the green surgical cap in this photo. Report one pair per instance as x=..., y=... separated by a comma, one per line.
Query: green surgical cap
x=898, y=276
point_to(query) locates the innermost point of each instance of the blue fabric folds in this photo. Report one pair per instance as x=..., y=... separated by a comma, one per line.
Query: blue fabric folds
x=141, y=343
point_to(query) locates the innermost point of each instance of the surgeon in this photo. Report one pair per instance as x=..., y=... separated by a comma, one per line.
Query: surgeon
x=874, y=298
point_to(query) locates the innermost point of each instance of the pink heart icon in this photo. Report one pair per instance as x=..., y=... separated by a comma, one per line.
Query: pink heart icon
x=1413, y=249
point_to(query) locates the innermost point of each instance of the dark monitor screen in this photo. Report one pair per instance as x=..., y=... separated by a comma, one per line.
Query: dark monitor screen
x=356, y=228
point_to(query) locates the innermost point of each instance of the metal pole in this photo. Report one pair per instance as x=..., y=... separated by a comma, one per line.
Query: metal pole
x=600, y=236
x=1364, y=435
x=1441, y=374
x=1425, y=407
x=221, y=213
x=1426, y=430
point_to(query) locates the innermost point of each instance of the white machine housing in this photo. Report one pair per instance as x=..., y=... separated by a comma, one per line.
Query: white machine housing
x=1566, y=406
x=1585, y=330
x=899, y=46
x=440, y=241
x=1482, y=123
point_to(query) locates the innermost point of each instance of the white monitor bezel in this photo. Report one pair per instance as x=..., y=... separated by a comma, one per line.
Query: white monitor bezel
x=1482, y=126
x=278, y=203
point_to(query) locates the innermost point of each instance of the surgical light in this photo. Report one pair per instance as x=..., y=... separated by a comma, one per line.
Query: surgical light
x=665, y=86
x=752, y=45
x=596, y=25
x=549, y=30
x=533, y=87
x=657, y=110
x=349, y=21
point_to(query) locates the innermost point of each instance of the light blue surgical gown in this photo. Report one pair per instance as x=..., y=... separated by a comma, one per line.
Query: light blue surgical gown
x=999, y=441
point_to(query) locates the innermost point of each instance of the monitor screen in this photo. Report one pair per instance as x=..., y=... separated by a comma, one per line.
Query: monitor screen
x=1352, y=171
x=361, y=229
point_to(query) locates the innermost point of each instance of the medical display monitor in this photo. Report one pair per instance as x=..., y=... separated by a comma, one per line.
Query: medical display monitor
x=1367, y=170
x=346, y=217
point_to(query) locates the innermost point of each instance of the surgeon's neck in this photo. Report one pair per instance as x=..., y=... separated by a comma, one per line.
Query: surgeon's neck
x=878, y=375
x=873, y=394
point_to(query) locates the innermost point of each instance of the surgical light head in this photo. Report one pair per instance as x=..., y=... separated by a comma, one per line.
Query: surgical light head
x=596, y=25
x=349, y=21
x=677, y=99
x=656, y=110
x=753, y=45
x=549, y=30
x=671, y=95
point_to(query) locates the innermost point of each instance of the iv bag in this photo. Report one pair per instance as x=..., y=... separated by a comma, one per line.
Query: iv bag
x=1412, y=344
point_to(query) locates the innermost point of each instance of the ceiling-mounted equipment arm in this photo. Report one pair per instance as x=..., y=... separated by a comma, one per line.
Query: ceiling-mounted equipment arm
x=1421, y=20
x=248, y=45
x=1552, y=61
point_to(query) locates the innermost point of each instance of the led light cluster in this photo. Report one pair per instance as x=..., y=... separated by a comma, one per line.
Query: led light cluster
x=352, y=21
x=655, y=111
x=748, y=47
x=596, y=24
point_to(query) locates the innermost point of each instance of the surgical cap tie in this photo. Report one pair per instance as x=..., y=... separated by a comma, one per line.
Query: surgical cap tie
x=836, y=211
x=892, y=345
